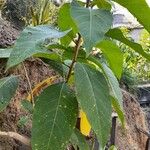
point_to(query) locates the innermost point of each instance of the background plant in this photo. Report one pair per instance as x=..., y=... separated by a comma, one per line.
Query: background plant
x=45, y=12
x=136, y=69
x=29, y=12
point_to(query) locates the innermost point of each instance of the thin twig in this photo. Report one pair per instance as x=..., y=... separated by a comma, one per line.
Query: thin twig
x=29, y=84
x=17, y=136
x=77, y=47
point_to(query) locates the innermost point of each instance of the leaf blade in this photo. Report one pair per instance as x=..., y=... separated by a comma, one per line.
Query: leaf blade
x=114, y=56
x=96, y=99
x=56, y=112
x=92, y=24
x=5, y=53
x=31, y=42
x=118, y=35
x=65, y=22
x=8, y=87
x=78, y=138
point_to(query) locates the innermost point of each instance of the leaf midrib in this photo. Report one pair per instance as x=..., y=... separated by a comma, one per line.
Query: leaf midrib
x=90, y=10
x=91, y=89
x=57, y=108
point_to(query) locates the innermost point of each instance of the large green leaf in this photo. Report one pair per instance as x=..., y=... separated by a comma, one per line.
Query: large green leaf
x=8, y=87
x=78, y=139
x=117, y=34
x=115, y=92
x=92, y=24
x=5, y=53
x=93, y=95
x=54, y=118
x=32, y=41
x=140, y=9
x=65, y=22
x=114, y=56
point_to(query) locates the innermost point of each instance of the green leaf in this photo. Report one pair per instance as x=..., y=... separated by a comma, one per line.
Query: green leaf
x=32, y=41
x=118, y=110
x=117, y=101
x=113, y=82
x=93, y=96
x=140, y=9
x=78, y=139
x=48, y=55
x=5, y=53
x=27, y=106
x=58, y=66
x=23, y=120
x=54, y=118
x=116, y=94
x=65, y=22
x=117, y=35
x=102, y=4
x=92, y=24
x=8, y=87
x=114, y=56
x=69, y=52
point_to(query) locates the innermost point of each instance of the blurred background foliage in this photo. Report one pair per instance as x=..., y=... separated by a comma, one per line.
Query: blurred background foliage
x=45, y=12
x=136, y=69
x=29, y=12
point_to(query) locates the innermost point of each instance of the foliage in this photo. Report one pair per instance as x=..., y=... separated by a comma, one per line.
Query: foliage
x=44, y=13
x=30, y=12
x=56, y=104
x=8, y=87
x=90, y=80
x=136, y=68
x=36, y=44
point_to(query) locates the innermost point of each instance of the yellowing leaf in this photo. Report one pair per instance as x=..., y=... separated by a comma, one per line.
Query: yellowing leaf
x=85, y=126
x=41, y=85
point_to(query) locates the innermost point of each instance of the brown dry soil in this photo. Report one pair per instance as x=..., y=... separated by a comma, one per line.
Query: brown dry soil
x=130, y=138
x=8, y=34
x=126, y=139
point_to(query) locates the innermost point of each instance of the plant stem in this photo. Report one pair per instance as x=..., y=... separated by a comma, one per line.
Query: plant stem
x=29, y=84
x=77, y=47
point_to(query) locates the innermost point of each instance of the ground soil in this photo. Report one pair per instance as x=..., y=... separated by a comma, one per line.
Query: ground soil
x=8, y=33
x=130, y=138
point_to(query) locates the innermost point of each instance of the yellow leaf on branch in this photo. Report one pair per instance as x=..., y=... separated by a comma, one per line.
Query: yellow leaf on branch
x=40, y=86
